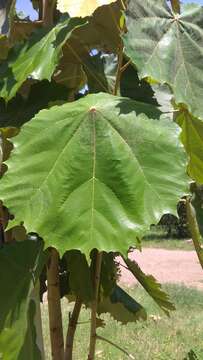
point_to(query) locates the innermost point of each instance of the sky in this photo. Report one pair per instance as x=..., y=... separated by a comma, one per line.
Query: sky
x=26, y=6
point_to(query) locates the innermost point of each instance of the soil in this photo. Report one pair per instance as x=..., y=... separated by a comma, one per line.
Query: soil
x=167, y=266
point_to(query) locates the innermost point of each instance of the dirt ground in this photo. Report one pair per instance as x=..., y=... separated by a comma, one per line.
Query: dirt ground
x=167, y=266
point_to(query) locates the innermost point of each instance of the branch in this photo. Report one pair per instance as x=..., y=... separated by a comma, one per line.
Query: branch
x=48, y=12
x=194, y=230
x=175, y=4
x=73, y=322
x=118, y=72
x=54, y=306
x=93, y=336
x=116, y=346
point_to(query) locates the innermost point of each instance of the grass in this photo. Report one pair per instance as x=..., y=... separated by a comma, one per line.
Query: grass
x=158, y=239
x=159, y=338
x=170, y=244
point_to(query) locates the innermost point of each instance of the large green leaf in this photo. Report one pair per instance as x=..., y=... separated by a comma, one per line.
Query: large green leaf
x=44, y=48
x=122, y=307
x=192, y=138
x=167, y=47
x=151, y=286
x=19, y=266
x=94, y=173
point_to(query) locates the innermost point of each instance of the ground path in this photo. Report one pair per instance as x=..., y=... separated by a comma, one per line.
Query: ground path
x=167, y=266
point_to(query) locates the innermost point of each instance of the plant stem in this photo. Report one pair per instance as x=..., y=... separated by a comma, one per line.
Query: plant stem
x=118, y=72
x=194, y=230
x=93, y=335
x=54, y=306
x=116, y=346
x=48, y=12
x=175, y=4
x=72, y=328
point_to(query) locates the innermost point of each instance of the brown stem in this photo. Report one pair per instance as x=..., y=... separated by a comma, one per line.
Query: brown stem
x=54, y=307
x=93, y=335
x=175, y=4
x=72, y=328
x=48, y=12
x=194, y=230
x=118, y=72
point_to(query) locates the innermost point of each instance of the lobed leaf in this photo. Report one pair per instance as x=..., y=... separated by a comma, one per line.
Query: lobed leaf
x=151, y=286
x=95, y=173
x=167, y=47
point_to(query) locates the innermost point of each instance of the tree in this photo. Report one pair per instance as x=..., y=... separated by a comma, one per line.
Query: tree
x=90, y=157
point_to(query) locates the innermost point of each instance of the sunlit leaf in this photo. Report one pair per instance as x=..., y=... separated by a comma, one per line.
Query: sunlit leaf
x=80, y=7
x=167, y=47
x=45, y=50
x=99, y=162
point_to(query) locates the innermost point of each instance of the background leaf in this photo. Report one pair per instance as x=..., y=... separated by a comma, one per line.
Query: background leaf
x=167, y=47
x=192, y=139
x=122, y=307
x=44, y=48
x=80, y=280
x=151, y=286
x=82, y=8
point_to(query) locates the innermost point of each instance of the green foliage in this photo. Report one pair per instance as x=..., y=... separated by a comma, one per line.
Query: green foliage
x=132, y=87
x=20, y=110
x=150, y=284
x=158, y=40
x=192, y=139
x=105, y=141
x=80, y=280
x=97, y=172
x=109, y=273
x=44, y=48
x=20, y=265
